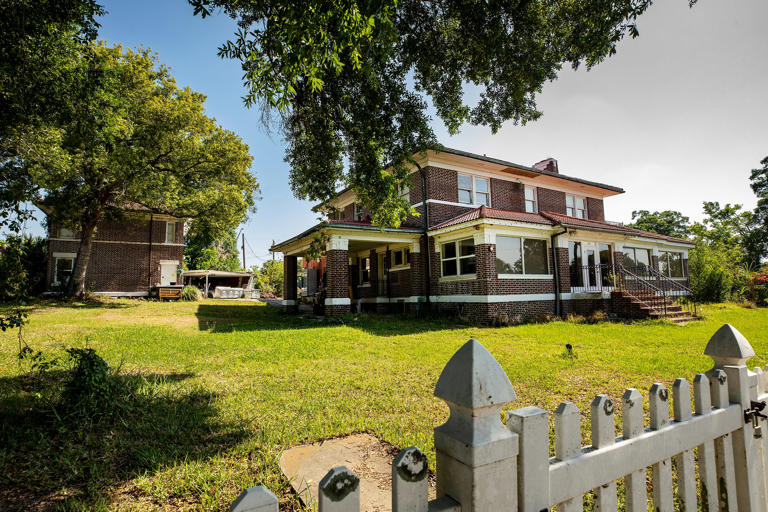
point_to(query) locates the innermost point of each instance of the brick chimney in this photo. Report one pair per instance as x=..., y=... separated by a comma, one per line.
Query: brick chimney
x=548, y=164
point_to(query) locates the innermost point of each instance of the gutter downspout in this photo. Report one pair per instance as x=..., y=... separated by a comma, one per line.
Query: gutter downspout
x=558, y=308
x=426, y=236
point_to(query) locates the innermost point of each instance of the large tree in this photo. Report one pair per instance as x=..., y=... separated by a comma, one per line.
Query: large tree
x=667, y=222
x=135, y=138
x=203, y=250
x=349, y=82
x=758, y=240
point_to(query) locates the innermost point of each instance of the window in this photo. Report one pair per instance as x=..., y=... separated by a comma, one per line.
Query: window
x=521, y=255
x=63, y=270
x=671, y=263
x=358, y=212
x=576, y=206
x=66, y=233
x=458, y=258
x=530, y=200
x=365, y=270
x=636, y=258
x=401, y=257
x=474, y=190
x=575, y=262
x=170, y=232
x=405, y=193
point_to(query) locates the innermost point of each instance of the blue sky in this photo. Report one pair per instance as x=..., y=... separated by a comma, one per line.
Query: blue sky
x=677, y=117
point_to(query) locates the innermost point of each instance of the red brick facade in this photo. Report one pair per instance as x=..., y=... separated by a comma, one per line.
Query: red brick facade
x=125, y=255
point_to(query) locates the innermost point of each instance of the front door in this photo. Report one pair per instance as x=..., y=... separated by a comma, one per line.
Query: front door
x=168, y=273
x=592, y=270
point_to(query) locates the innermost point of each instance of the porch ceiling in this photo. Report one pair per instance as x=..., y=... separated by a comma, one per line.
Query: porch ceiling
x=358, y=237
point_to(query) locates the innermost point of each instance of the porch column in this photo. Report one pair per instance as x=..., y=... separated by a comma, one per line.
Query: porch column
x=563, y=273
x=290, y=283
x=485, y=263
x=418, y=272
x=337, y=276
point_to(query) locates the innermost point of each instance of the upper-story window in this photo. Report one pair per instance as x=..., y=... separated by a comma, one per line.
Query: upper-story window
x=576, y=206
x=405, y=193
x=531, y=206
x=66, y=233
x=474, y=190
x=358, y=212
x=170, y=232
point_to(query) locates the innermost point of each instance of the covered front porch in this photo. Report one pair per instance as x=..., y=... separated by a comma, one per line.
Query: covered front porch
x=366, y=268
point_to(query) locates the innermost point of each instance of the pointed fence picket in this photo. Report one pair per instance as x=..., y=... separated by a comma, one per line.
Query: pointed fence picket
x=720, y=459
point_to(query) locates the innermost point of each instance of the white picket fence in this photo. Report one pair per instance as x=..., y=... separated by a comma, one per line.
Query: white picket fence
x=716, y=452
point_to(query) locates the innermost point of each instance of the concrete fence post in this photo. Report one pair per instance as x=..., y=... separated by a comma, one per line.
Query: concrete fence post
x=531, y=424
x=409, y=481
x=255, y=499
x=730, y=350
x=339, y=491
x=476, y=453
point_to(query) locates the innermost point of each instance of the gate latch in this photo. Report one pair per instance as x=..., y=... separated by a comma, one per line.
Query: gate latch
x=753, y=414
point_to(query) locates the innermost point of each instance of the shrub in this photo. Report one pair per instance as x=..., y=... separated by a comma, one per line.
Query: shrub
x=757, y=287
x=711, y=274
x=191, y=293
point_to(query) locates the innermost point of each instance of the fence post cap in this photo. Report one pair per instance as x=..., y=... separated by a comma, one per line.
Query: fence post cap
x=338, y=483
x=255, y=499
x=411, y=464
x=474, y=379
x=728, y=347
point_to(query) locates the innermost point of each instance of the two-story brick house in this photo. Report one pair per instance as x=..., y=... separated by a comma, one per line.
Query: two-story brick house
x=498, y=239
x=129, y=257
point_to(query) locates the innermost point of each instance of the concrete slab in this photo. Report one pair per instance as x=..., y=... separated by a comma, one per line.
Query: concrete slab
x=367, y=456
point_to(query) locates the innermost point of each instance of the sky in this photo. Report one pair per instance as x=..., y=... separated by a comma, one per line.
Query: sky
x=675, y=118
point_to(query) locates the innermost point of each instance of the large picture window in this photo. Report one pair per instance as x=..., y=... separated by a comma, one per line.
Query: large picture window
x=636, y=258
x=458, y=258
x=671, y=263
x=521, y=255
x=474, y=190
x=576, y=206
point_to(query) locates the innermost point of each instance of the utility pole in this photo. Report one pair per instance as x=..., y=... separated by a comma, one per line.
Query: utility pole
x=273, y=252
x=243, y=246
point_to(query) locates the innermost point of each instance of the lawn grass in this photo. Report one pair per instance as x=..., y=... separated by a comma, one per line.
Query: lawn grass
x=223, y=387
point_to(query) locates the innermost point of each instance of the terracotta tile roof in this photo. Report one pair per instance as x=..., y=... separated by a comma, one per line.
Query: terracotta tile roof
x=552, y=219
x=494, y=213
x=566, y=221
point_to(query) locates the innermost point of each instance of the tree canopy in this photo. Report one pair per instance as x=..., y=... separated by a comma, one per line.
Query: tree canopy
x=349, y=82
x=204, y=251
x=136, y=140
x=668, y=222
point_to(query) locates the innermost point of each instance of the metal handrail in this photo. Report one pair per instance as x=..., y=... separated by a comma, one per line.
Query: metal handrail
x=690, y=304
x=648, y=286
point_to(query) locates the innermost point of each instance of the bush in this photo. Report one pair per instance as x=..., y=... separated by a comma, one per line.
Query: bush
x=711, y=274
x=191, y=293
x=757, y=287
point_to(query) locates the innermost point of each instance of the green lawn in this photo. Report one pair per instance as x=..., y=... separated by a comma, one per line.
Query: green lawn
x=226, y=386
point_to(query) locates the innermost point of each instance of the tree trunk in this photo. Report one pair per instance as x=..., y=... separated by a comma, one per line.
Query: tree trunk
x=76, y=286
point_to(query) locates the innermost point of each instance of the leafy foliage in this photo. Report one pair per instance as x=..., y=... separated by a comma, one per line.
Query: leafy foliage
x=23, y=263
x=191, y=293
x=139, y=142
x=667, y=222
x=269, y=278
x=202, y=251
x=350, y=81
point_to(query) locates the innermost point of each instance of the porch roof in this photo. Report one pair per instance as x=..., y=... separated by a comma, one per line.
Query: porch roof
x=554, y=219
x=341, y=225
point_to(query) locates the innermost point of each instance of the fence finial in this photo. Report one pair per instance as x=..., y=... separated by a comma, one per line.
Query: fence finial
x=473, y=378
x=476, y=388
x=728, y=347
x=255, y=499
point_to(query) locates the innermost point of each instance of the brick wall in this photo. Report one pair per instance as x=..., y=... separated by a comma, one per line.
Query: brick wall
x=507, y=195
x=337, y=272
x=595, y=209
x=551, y=200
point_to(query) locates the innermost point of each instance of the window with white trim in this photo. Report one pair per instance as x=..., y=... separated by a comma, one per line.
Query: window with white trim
x=531, y=205
x=365, y=270
x=405, y=193
x=576, y=206
x=63, y=270
x=401, y=257
x=671, y=263
x=516, y=255
x=636, y=259
x=458, y=258
x=358, y=216
x=474, y=190
x=170, y=232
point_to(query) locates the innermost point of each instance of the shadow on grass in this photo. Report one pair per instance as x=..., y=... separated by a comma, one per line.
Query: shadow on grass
x=247, y=316
x=50, y=463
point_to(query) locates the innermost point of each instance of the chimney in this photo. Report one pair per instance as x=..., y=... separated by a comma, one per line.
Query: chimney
x=548, y=164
